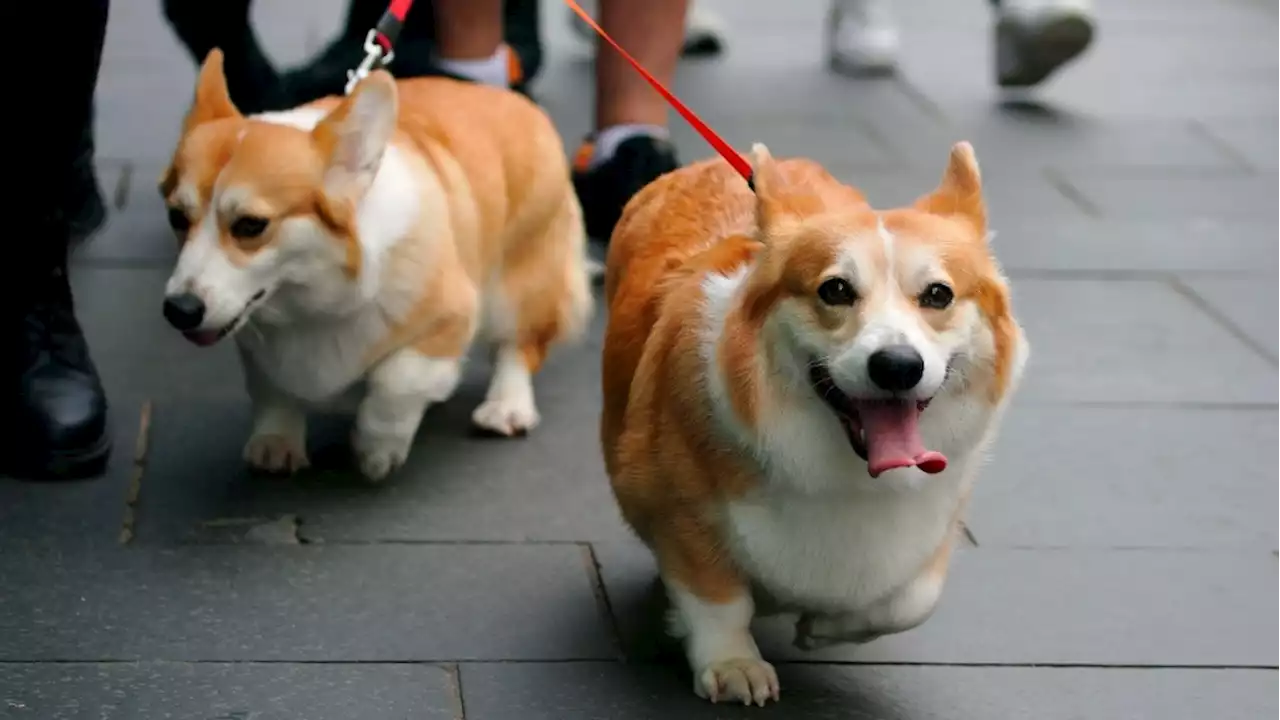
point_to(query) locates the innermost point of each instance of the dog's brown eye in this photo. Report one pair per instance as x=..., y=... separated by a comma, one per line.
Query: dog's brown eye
x=248, y=227
x=837, y=291
x=178, y=220
x=937, y=296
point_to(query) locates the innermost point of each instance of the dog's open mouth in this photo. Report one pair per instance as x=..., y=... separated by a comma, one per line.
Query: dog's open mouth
x=885, y=432
x=205, y=338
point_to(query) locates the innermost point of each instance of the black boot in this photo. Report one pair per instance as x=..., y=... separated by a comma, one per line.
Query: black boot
x=54, y=402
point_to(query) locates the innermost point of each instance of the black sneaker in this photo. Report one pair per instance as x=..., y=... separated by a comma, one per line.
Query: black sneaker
x=605, y=189
x=53, y=400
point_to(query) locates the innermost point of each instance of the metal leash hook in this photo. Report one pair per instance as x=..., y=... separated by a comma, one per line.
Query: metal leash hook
x=374, y=54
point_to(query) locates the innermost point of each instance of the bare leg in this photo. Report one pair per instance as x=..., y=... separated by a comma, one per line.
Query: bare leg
x=629, y=148
x=468, y=29
x=653, y=32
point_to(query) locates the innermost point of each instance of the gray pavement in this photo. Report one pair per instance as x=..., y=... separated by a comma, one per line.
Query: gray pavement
x=1124, y=556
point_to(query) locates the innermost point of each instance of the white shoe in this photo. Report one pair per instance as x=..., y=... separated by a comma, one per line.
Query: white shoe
x=1036, y=37
x=861, y=37
x=703, y=29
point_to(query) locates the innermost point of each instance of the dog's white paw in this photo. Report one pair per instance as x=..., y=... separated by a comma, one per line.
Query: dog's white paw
x=507, y=416
x=378, y=457
x=750, y=681
x=277, y=454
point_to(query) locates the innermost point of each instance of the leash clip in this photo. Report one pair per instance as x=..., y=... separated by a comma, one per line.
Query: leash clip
x=374, y=54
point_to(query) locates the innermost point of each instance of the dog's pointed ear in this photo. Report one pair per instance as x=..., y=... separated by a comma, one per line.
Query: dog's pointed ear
x=353, y=137
x=212, y=100
x=768, y=183
x=960, y=192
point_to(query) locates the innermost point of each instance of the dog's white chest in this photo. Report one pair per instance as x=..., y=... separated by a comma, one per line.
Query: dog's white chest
x=841, y=553
x=313, y=364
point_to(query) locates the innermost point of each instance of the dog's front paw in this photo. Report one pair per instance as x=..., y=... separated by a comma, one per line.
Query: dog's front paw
x=276, y=454
x=745, y=680
x=507, y=416
x=379, y=456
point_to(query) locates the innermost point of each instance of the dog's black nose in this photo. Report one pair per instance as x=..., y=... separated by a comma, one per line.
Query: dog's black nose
x=895, y=368
x=184, y=312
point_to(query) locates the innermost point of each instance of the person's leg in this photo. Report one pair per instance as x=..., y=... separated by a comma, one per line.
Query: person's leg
x=203, y=25
x=469, y=42
x=1036, y=37
x=704, y=30
x=53, y=401
x=629, y=148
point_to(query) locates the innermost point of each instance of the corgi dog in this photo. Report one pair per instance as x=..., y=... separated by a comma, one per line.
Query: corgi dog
x=363, y=243
x=798, y=390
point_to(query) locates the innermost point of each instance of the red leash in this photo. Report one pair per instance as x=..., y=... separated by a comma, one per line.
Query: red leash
x=726, y=150
x=380, y=40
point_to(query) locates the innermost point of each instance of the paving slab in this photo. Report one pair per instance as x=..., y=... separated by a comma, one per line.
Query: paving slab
x=548, y=487
x=591, y=691
x=1129, y=477
x=1255, y=140
x=314, y=603
x=136, y=351
x=1248, y=302
x=1008, y=192
x=1177, y=195
x=1132, y=341
x=1025, y=607
x=1116, y=246
x=1049, y=136
x=225, y=691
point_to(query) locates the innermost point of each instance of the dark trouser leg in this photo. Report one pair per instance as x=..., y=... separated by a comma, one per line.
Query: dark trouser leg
x=203, y=25
x=65, y=130
x=50, y=396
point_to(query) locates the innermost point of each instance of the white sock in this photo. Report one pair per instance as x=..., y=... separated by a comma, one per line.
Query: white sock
x=486, y=71
x=608, y=139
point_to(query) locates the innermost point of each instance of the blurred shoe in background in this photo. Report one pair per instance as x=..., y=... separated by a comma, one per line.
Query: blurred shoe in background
x=1036, y=37
x=861, y=37
x=1033, y=38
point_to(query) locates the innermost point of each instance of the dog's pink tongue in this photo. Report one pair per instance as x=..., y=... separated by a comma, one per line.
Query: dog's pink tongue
x=893, y=438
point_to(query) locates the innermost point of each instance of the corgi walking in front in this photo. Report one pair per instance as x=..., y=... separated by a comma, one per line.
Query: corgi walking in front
x=798, y=390
x=364, y=243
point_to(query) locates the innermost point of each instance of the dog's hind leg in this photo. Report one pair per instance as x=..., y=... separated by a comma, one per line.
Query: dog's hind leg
x=541, y=296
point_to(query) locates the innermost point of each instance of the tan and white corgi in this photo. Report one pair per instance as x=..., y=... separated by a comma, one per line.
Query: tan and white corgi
x=798, y=389
x=363, y=243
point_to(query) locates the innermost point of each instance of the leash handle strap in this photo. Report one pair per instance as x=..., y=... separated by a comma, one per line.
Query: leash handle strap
x=726, y=150
x=379, y=42
x=391, y=23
